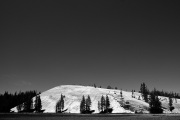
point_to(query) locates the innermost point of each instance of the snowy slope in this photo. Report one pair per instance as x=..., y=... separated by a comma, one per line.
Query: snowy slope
x=73, y=95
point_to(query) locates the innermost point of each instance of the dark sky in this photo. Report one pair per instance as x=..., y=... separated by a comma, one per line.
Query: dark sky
x=120, y=43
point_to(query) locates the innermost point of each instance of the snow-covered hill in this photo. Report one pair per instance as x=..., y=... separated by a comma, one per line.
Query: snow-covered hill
x=73, y=96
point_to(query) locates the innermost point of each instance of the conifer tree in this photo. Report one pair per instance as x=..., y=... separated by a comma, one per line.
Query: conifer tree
x=103, y=103
x=121, y=93
x=107, y=103
x=60, y=104
x=57, y=106
x=155, y=104
x=83, y=105
x=144, y=92
x=28, y=105
x=132, y=93
x=175, y=95
x=88, y=103
x=109, y=87
x=170, y=104
x=37, y=105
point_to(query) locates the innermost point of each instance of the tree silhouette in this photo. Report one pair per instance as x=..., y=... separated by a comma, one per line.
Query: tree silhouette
x=83, y=105
x=107, y=103
x=144, y=92
x=38, y=105
x=170, y=104
x=88, y=103
x=60, y=105
x=103, y=103
x=155, y=104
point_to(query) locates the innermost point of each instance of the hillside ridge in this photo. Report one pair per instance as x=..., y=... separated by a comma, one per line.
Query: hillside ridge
x=73, y=95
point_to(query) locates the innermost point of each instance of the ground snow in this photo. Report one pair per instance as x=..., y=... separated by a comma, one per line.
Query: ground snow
x=73, y=95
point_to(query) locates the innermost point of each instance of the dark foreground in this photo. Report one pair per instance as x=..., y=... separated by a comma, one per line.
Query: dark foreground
x=48, y=116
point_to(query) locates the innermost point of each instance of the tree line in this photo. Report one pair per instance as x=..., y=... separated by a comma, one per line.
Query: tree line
x=151, y=97
x=9, y=100
x=25, y=102
x=28, y=106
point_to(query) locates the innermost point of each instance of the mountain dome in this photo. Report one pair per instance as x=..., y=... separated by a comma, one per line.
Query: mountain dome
x=73, y=96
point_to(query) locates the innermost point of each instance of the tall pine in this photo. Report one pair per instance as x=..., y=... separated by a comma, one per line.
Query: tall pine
x=28, y=105
x=88, y=103
x=144, y=92
x=107, y=103
x=155, y=104
x=83, y=105
x=60, y=104
x=170, y=104
x=38, y=105
x=103, y=103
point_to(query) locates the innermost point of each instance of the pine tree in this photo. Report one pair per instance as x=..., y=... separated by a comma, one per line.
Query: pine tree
x=60, y=104
x=28, y=106
x=155, y=104
x=175, y=95
x=83, y=105
x=107, y=103
x=132, y=93
x=170, y=104
x=37, y=105
x=144, y=92
x=88, y=103
x=121, y=93
x=103, y=103
x=57, y=106
x=109, y=87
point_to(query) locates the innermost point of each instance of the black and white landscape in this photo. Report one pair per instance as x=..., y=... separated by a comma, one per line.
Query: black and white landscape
x=73, y=96
x=89, y=57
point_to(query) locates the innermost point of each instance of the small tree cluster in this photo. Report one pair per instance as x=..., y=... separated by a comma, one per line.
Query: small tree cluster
x=144, y=92
x=109, y=87
x=60, y=105
x=28, y=106
x=85, y=105
x=170, y=104
x=167, y=94
x=104, y=105
x=9, y=100
x=155, y=104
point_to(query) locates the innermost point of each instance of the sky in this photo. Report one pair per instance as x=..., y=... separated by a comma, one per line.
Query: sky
x=120, y=43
